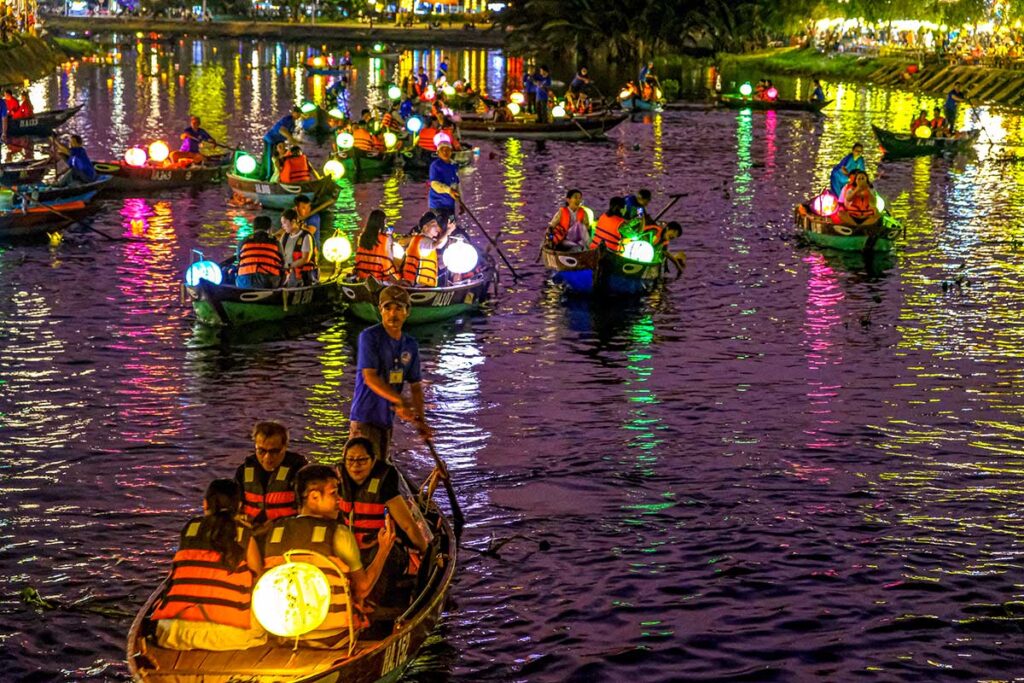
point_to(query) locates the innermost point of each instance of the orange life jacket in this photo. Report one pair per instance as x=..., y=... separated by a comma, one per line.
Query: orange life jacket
x=362, y=510
x=419, y=270
x=426, y=139
x=561, y=231
x=375, y=262
x=295, y=169
x=278, y=500
x=315, y=534
x=297, y=251
x=606, y=232
x=938, y=123
x=259, y=255
x=657, y=234
x=389, y=122
x=860, y=204
x=201, y=587
x=364, y=140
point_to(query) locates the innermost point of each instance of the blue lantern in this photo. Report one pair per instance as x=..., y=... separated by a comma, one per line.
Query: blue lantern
x=203, y=270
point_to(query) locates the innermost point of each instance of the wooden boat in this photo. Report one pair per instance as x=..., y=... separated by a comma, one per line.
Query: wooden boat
x=161, y=177
x=227, y=305
x=823, y=232
x=741, y=102
x=417, y=159
x=635, y=105
x=281, y=195
x=46, y=193
x=21, y=172
x=41, y=123
x=602, y=271
x=903, y=145
x=373, y=659
x=40, y=219
x=593, y=126
x=361, y=165
x=429, y=304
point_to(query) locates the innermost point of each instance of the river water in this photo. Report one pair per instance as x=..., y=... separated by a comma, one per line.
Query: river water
x=787, y=465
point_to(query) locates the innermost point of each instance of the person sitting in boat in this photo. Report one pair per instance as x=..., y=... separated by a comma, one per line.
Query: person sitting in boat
x=577, y=89
x=260, y=264
x=371, y=492
x=365, y=141
x=661, y=237
x=921, y=120
x=267, y=477
x=607, y=231
x=421, y=267
x=858, y=207
x=449, y=129
x=25, y=108
x=760, y=89
x=818, y=96
x=191, y=139
x=374, y=250
x=337, y=93
x=295, y=167
x=333, y=549
x=648, y=76
x=208, y=601
x=77, y=160
x=636, y=205
x=425, y=138
x=282, y=131
x=569, y=228
x=11, y=102
x=308, y=221
x=298, y=250
x=502, y=114
x=345, y=59
x=406, y=109
x=938, y=124
x=854, y=161
x=280, y=153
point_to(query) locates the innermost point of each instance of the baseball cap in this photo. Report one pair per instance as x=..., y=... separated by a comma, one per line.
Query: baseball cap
x=393, y=293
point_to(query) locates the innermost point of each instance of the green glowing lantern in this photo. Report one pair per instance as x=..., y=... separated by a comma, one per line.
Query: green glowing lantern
x=337, y=249
x=640, y=250
x=378, y=47
x=345, y=140
x=245, y=163
x=746, y=89
x=307, y=108
x=390, y=139
x=394, y=92
x=879, y=203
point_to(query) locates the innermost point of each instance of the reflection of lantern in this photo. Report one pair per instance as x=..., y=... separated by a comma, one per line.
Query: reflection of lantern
x=442, y=138
x=923, y=132
x=345, y=140
x=746, y=89
x=337, y=249
x=335, y=169
x=307, y=108
x=772, y=93
x=394, y=92
x=639, y=250
x=460, y=257
x=879, y=203
x=414, y=124
x=159, y=151
x=291, y=599
x=825, y=204
x=397, y=251
x=517, y=97
x=245, y=163
x=514, y=108
x=203, y=270
x=558, y=111
x=390, y=139
x=136, y=156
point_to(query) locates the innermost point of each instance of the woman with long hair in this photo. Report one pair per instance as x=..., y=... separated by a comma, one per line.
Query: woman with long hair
x=374, y=250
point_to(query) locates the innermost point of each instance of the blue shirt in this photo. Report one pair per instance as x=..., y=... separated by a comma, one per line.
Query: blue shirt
x=633, y=208
x=378, y=351
x=841, y=172
x=819, y=95
x=191, y=144
x=543, y=85
x=442, y=69
x=950, y=102
x=405, y=110
x=3, y=108
x=80, y=165
x=274, y=136
x=314, y=222
x=446, y=173
x=528, y=84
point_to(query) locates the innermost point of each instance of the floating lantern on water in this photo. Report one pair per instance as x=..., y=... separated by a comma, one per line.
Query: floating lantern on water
x=245, y=163
x=337, y=249
x=639, y=250
x=203, y=270
x=414, y=124
x=460, y=257
x=378, y=47
x=394, y=92
x=923, y=132
x=442, y=138
x=390, y=139
x=514, y=108
x=159, y=151
x=558, y=111
x=291, y=599
x=825, y=204
x=345, y=140
x=335, y=169
x=772, y=93
x=746, y=89
x=517, y=97
x=135, y=156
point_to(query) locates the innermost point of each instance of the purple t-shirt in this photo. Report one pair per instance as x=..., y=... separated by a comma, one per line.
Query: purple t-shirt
x=393, y=359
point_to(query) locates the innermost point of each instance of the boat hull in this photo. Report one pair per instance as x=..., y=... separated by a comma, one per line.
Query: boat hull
x=41, y=192
x=598, y=271
x=125, y=177
x=362, y=166
x=419, y=159
x=902, y=146
x=280, y=195
x=42, y=123
x=224, y=305
x=822, y=232
x=21, y=172
x=429, y=304
x=580, y=128
x=40, y=220
x=740, y=102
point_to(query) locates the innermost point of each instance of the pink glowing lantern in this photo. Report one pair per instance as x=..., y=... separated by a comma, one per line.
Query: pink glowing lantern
x=825, y=204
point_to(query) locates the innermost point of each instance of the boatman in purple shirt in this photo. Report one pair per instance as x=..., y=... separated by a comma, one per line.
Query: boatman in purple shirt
x=387, y=360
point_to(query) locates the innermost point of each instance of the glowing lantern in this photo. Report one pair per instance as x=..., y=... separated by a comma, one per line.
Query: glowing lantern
x=159, y=151
x=337, y=249
x=923, y=132
x=558, y=111
x=378, y=47
x=318, y=61
x=428, y=94
x=394, y=92
x=772, y=93
x=307, y=108
x=640, y=250
x=390, y=139
x=657, y=93
x=136, y=156
x=448, y=90
x=336, y=113
x=517, y=97
x=345, y=140
x=825, y=204
x=397, y=251
x=335, y=169
x=879, y=203
x=291, y=599
x=203, y=270
x=442, y=138
x=746, y=89
x=245, y=163
x=514, y=108
x=414, y=124
x=625, y=94
x=460, y=257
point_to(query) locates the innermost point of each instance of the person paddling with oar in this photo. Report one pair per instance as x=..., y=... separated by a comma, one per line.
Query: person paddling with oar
x=191, y=138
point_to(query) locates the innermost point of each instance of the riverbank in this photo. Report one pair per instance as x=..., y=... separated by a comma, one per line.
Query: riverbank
x=26, y=58
x=348, y=32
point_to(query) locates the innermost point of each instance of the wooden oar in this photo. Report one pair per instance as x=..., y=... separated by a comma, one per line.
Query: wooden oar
x=75, y=220
x=585, y=131
x=460, y=519
x=490, y=239
x=675, y=198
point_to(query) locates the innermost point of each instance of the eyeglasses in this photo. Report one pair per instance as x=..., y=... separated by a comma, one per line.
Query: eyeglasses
x=268, y=451
x=357, y=461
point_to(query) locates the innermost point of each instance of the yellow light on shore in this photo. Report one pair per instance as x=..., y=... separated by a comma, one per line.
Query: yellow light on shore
x=291, y=599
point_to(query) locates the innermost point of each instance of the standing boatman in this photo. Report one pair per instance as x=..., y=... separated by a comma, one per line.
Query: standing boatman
x=444, y=184
x=954, y=98
x=282, y=131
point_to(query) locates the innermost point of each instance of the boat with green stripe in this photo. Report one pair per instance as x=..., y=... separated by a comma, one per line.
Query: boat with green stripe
x=823, y=232
x=429, y=304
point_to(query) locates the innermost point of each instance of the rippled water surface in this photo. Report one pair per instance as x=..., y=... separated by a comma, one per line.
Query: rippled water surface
x=787, y=465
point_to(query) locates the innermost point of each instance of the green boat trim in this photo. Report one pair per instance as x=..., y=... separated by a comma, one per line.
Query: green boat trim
x=904, y=145
x=282, y=195
x=225, y=305
x=429, y=304
x=821, y=231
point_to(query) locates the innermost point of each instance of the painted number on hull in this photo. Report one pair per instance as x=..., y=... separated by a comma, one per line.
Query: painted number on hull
x=395, y=655
x=161, y=175
x=302, y=297
x=443, y=299
x=262, y=189
x=26, y=123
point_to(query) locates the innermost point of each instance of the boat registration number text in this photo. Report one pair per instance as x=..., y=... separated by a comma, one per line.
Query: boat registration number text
x=395, y=655
x=261, y=188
